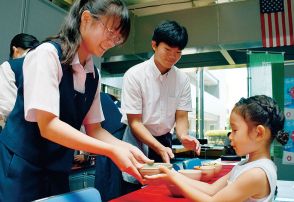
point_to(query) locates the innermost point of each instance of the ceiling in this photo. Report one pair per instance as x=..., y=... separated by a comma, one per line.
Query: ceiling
x=117, y=65
x=150, y=7
x=209, y=59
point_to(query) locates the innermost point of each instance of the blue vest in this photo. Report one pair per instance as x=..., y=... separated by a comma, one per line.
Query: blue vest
x=112, y=115
x=23, y=137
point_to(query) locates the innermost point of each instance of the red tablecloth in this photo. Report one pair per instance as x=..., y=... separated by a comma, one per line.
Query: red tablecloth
x=160, y=193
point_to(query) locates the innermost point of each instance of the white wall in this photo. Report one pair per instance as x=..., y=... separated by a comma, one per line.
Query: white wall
x=40, y=18
x=10, y=24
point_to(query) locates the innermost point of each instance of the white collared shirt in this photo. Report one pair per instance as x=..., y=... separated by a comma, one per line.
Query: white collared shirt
x=8, y=91
x=157, y=97
x=80, y=72
x=42, y=75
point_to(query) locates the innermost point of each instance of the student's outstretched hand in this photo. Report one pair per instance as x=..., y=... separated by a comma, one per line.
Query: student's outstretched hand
x=126, y=162
x=139, y=155
x=191, y=143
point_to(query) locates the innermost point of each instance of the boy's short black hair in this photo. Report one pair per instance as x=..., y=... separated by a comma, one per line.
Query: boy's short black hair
x=171, y=33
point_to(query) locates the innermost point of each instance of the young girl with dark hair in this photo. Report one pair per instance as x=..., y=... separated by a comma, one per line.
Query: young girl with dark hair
x=255, y=123
x=59, y=93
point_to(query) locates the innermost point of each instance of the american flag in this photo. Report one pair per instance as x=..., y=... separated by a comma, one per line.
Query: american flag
x=276, y=17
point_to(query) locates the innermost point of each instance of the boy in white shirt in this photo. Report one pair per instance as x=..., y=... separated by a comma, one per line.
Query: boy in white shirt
x=156, y=96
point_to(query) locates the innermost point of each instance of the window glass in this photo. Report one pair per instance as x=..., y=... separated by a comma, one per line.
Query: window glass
x=214, y=93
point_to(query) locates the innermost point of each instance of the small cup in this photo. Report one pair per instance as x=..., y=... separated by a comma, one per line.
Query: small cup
x=217, y=166
x=207, y=172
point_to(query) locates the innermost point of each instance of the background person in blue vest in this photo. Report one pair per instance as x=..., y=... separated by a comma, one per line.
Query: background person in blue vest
x=156, y=96
x=19, y=46
x=56, y=98
x=108, y=179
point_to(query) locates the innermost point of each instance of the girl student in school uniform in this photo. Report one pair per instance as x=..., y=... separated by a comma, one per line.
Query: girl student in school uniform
x=255, y=123
x=19, y=46
x=59, y=93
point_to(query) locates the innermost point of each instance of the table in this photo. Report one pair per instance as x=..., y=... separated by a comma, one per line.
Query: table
x=285, y=191
x=159, y=193
x=179, y=149
x=207, y=151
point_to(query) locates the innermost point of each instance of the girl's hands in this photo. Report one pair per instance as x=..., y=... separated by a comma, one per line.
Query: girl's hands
x=165, y=177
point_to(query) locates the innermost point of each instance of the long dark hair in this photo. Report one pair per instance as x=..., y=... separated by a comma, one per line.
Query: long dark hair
x=263, y=110
x=70, y=35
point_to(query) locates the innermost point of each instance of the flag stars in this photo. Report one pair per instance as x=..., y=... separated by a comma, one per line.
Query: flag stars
x=271, y=6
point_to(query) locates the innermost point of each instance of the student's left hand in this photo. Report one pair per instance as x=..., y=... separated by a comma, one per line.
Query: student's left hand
x=139, y=155
x=191, y=143
x=126, y=161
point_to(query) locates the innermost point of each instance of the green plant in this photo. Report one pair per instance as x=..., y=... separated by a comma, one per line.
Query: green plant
x=216, y=137
x=220, y=133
